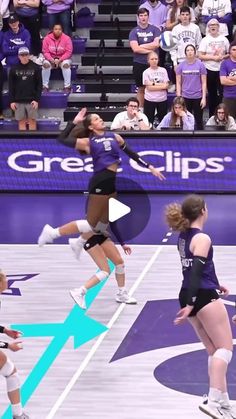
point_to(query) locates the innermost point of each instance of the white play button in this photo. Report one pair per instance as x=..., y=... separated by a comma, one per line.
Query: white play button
x=117, y=210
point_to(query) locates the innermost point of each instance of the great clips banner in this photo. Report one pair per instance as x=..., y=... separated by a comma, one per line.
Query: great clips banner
x=189, y=164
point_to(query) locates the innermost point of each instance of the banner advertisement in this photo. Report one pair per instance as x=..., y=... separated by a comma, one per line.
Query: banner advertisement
x=189, y=164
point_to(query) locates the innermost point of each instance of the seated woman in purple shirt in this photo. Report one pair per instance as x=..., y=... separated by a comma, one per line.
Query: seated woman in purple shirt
x=178, y=117
x=191, y=84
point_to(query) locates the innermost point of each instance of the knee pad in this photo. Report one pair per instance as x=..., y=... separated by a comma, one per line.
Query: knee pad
x=224, y=354
x=102, y=275
x=7, y=368
x=120, y=269
x=100, y=227
x=13, y=382
x=83, y=226
x=94, y=240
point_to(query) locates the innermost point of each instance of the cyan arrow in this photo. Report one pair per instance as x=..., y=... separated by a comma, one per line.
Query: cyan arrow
x=77, y=324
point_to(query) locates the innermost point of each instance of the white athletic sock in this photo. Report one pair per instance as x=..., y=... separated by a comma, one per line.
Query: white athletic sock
x=121, y=289
x=17, y=409
x=81, y=240
x=84, y=289
x=214, y=394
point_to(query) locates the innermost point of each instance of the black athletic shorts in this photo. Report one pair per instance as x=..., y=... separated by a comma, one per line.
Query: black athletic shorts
x=94, y=240
x=138, y=70
x=103, y=183
x=204, y=297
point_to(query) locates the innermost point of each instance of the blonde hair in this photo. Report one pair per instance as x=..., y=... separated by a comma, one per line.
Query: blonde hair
x=180, y=216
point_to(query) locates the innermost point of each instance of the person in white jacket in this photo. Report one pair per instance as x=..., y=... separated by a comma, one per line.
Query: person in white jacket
x=220, y=10
x=186, y=33
x=4, y=14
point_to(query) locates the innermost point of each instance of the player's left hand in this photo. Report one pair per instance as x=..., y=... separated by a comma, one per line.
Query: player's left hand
x=183, y=314
x=224, y=291
x=14, y=334
x=127, y=249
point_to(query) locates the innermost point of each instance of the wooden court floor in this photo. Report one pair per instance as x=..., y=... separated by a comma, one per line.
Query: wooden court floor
x=143, y=381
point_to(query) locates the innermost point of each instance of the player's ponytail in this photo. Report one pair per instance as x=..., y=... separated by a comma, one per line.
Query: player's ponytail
x=179, y=217
x=175, y=218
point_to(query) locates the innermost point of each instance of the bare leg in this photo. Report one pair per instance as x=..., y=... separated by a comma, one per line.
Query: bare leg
x=32, y=124
x=14, y=396
x=113, y=254
x=22, y=125
x=140, y=96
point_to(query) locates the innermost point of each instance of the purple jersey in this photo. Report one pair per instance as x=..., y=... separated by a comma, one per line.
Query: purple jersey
x=209, y=279
x=228, y=68
x=104, y=150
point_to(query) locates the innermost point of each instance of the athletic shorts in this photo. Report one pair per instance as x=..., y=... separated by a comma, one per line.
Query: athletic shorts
x=103, y=183
x=94, y=240
x=138, y=70
x=25, y=111
x=204, y=297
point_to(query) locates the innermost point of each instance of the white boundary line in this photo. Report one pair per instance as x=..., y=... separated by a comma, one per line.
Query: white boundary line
x=94, y=348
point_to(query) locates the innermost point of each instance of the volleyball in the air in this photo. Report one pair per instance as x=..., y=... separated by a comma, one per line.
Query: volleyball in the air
x=167, y=41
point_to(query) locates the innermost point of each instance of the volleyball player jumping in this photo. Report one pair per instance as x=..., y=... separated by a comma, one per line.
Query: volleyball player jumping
x=88, y=135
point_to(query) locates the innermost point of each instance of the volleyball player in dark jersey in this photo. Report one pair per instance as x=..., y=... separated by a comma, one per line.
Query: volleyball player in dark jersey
x=199, y=299
x=100, y=248
x=7, y=368
x=88, y=135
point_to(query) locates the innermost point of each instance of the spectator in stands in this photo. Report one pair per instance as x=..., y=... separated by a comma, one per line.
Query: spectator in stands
x=59, y=11
x=143, y=39
x=1, y=75
x=220, y=10
x=228, y=80
x=4, y=14
x=157, y=17
x=156, y=81
x=157, y=13
x=212, y=50
x=16, y=37
x=57, y=51
x=191, y=84
x=178, y=117
x=222, y=118
x=186, y=33
x=199, y=18
x=25, y=88
x=28, y=13
x=173, y=16
x=131, y=119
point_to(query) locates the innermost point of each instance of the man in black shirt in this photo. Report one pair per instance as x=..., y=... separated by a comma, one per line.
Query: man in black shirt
x=25, y=89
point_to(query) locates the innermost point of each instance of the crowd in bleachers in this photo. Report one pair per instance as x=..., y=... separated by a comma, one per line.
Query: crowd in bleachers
x=201, y=68
x=203, y=62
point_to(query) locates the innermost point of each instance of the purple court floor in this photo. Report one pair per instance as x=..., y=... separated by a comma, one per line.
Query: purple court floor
x=24, y=215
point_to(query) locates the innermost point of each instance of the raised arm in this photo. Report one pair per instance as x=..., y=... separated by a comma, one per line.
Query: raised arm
x=133, y=155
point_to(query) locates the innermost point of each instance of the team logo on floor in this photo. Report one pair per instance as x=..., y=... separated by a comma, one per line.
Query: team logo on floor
x=16, y=278
x=154, y=329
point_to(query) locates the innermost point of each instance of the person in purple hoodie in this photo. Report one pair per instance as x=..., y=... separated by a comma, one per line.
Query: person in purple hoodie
x=199, y=299
x=87, y=134
x=59, y=11
x=16, y=37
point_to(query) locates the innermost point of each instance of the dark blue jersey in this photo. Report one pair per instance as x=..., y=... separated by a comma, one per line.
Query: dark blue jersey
x=104, y=150
x=209, y=279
